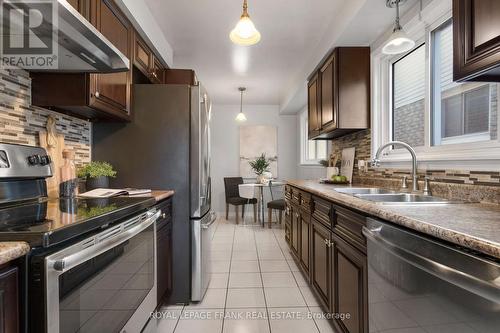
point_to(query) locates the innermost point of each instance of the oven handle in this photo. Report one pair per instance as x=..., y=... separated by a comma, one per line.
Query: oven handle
x=79, y=257
x=486, y=289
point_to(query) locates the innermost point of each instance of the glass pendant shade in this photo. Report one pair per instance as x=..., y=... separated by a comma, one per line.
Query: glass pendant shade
x=399, y=42
x=241, y=117
x=245, y=33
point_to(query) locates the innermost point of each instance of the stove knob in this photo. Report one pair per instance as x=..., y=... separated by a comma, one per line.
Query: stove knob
x=44, y=160
x=34, y=159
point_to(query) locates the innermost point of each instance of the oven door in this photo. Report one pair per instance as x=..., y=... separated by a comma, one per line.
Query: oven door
x=106, y=283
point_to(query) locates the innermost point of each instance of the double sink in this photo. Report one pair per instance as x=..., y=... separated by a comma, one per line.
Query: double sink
x=389, y=197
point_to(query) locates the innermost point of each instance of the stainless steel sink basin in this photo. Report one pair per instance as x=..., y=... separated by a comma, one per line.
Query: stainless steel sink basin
x=403, y=199
x=361, y=190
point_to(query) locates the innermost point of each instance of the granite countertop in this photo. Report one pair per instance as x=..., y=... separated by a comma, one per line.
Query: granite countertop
x=12, y=250
x=475, y=226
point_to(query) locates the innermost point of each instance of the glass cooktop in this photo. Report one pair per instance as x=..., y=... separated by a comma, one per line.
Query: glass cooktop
x=52, y=221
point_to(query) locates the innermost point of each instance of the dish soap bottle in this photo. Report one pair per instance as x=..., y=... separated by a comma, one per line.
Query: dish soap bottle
x=69, y=183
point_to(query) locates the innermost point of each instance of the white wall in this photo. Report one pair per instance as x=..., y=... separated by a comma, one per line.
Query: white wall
x=226, y=142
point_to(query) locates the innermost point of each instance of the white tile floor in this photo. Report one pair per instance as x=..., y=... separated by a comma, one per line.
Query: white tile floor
x=255, y=288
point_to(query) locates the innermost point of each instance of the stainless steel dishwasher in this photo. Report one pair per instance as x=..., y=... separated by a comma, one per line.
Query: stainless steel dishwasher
x=417, y=284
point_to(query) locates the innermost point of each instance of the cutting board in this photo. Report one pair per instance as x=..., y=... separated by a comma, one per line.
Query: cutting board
x=347, y=165
x=54, y=146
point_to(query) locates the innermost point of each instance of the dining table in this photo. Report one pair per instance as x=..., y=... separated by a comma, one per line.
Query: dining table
x=247, y=190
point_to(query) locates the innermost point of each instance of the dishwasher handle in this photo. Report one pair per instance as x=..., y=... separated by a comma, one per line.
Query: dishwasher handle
x=488, y=289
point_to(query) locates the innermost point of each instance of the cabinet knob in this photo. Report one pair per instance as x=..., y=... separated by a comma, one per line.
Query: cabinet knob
x=97, y=94
x=163, y=215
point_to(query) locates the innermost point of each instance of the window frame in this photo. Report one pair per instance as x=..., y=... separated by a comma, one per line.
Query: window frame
x=304, y=141
x=484, y=155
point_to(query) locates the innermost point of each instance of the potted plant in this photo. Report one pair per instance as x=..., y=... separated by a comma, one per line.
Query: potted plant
x=260, y=166
x=96, y=174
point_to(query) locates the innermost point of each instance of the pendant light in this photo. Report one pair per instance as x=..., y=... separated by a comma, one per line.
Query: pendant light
x=245, y=33
x=241, y=116
x=399, y=42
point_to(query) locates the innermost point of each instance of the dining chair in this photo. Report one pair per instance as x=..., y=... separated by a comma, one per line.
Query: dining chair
x=231, y=186
x=275, y=204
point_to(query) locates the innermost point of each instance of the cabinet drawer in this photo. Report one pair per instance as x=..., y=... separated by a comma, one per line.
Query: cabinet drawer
x=305, y=201
x=288, y=192
x=295, y=196
x=349, y=225
x=321, y=210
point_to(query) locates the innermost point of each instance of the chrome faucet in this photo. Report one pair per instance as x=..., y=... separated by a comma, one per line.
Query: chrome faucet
x=376, y=160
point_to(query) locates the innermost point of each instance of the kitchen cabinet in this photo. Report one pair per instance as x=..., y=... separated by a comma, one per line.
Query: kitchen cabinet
x=476, y=38
x=91, y=96
x=350, y=286
x=164, y=250
x=180, y=76
x=295, y=230
x=9, y=300
x=328, y=107
x=146, y=61
x=321, y=262
x=343, y=102
x=331, y=241
x=314, y=117
x=82, y=6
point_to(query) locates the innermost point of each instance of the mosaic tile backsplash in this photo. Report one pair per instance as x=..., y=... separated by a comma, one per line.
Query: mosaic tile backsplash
x=20, y=122
x=468, y=185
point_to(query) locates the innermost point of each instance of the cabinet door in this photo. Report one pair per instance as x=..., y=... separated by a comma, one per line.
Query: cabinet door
x=321, y=262
x=9, y=306
x=288, y=222
x=328, y=95
x=314, y=118
x=142, y=55
x=111, y=92
x=304, y=223
x=157, y=71
x=82, y=6
x=476, y=40
x=350, y=287
x=295, y=226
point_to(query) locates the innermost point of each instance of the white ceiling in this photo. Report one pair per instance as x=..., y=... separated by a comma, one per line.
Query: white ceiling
x=293, y=32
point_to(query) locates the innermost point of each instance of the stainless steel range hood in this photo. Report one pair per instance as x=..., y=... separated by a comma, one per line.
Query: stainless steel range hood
x=80, y=46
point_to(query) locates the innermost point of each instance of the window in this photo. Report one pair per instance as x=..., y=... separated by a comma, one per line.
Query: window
x=462, y=112
x=450, y=124
x=311, y=151
x=408, y=91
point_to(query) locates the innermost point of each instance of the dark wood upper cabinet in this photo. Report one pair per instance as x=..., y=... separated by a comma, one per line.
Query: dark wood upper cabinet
x=314, y=117
x=111, y=92
x=328, y=107
x=476, y=38
x=91, y=96
x=9, y=300
x=82, y=6
x=146, y=61
x=343, y=101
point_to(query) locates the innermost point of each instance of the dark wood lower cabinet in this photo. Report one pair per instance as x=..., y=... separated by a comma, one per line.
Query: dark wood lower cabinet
x=321, y=262
x=164, y=251
x=304, y=225
x=349, y=277
x=295, y=220
x=9, y=301
x=333, y=254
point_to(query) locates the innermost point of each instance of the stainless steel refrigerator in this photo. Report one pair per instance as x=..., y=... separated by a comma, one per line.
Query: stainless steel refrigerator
x=167, y=146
